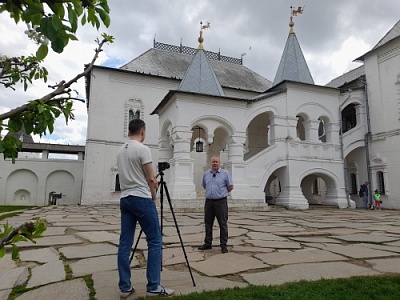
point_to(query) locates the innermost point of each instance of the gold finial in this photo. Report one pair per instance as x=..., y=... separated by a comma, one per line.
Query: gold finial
x=201, y=39
x=294, y=12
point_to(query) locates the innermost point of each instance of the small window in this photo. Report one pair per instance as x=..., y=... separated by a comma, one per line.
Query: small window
x=353, y=184
x=117, y=186
x=315, y=187
x=381, y=182
x=134, y=115
x=321, y=131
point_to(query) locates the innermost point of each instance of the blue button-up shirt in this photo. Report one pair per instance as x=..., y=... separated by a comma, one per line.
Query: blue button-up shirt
x=216, y=184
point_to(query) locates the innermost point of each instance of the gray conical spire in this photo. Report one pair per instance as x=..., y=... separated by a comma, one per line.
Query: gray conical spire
x=200, y=77
x=293, y=65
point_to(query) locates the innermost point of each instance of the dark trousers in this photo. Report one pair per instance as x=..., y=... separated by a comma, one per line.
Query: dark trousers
x=216, y=209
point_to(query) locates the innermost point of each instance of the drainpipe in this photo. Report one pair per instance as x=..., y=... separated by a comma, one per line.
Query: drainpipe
x=367, y=138
x=346, y=188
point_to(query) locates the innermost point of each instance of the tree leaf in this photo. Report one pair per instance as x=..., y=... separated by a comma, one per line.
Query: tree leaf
x=42, y=52
x=15, y=252
x=2, y=251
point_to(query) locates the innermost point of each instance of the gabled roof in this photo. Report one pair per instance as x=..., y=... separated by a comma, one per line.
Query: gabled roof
x=393, y=33
x=200, y=77
x=167, y=64
x=293, y=65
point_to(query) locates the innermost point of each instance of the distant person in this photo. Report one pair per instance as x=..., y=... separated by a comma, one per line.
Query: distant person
x=364, y=194
x=377, y=198
x=217, y=183
x=138, y=204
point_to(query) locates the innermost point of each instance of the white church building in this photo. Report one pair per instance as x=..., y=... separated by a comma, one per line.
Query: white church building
x=288, y=142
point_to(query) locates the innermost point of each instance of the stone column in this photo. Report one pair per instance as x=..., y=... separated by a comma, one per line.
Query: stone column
x=181, y=184
x=332, y=133
x=236, y=167
x=311, y=128
x=292, y=197
x=278, y=129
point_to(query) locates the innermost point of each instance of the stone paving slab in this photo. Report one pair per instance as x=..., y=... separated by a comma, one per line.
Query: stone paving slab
x=388, y=265
x=364, y=237
x=381, y=247
x=356, y=251
x=107, y=227
x=5, y=293
x=313, y=271
x=39, y=255
x=322, y=240
x=98, y=236
x=51, y=241
x=265, y=236
x=75, y=252
x=7, y=263
x=47, y=273
x=274, y=244
x=66, y=290
x=228, y=263
x=54, y=231
x=300, y=256
x=12, y=277
x=240, y=249
x=96, y=264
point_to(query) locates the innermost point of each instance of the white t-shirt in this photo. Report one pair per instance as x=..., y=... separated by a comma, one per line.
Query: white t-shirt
x=130, y=159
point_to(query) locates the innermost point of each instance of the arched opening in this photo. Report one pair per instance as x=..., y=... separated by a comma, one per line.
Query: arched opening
x=258, y=135
x=300, y=129
x=322, y=130
x=349, y=118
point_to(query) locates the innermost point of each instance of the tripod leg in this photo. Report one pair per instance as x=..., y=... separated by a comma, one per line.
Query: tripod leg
x=177, y=229
x=134, y=248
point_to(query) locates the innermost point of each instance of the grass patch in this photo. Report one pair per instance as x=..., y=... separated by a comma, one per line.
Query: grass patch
x=355, y=288
x=12, y=208
x=9, y=215
x=90, y=284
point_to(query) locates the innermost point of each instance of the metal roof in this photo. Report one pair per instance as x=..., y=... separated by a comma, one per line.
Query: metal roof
x=174, y=65
x=200, y=77
x=293, y=66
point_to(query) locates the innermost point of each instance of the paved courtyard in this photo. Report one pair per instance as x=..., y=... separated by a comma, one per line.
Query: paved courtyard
x=265, y=248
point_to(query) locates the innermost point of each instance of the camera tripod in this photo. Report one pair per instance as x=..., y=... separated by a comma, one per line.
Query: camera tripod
x=163, y=186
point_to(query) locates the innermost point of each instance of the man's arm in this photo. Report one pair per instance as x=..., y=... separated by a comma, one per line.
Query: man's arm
x=229, y=188
x=151, y=180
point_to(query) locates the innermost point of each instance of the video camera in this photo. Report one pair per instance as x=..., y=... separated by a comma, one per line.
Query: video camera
x=163, y=166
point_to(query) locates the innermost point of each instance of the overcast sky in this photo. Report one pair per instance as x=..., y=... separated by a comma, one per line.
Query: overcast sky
x=331, y=34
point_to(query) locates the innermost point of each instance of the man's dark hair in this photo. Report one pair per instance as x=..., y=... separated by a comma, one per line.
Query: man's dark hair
x=135, y=126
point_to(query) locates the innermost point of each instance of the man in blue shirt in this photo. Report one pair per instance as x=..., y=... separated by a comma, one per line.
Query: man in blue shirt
x=217, y=183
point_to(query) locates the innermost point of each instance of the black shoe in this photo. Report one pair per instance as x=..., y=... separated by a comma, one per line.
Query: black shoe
x=224, y=249
x=205, y=247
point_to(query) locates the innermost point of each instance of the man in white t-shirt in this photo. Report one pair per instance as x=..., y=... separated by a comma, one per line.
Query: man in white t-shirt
x=138, y=204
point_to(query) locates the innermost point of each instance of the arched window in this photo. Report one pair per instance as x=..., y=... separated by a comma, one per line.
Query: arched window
x=381, y=182
x=117, y=186
x=353, y=184
x=134, y=109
